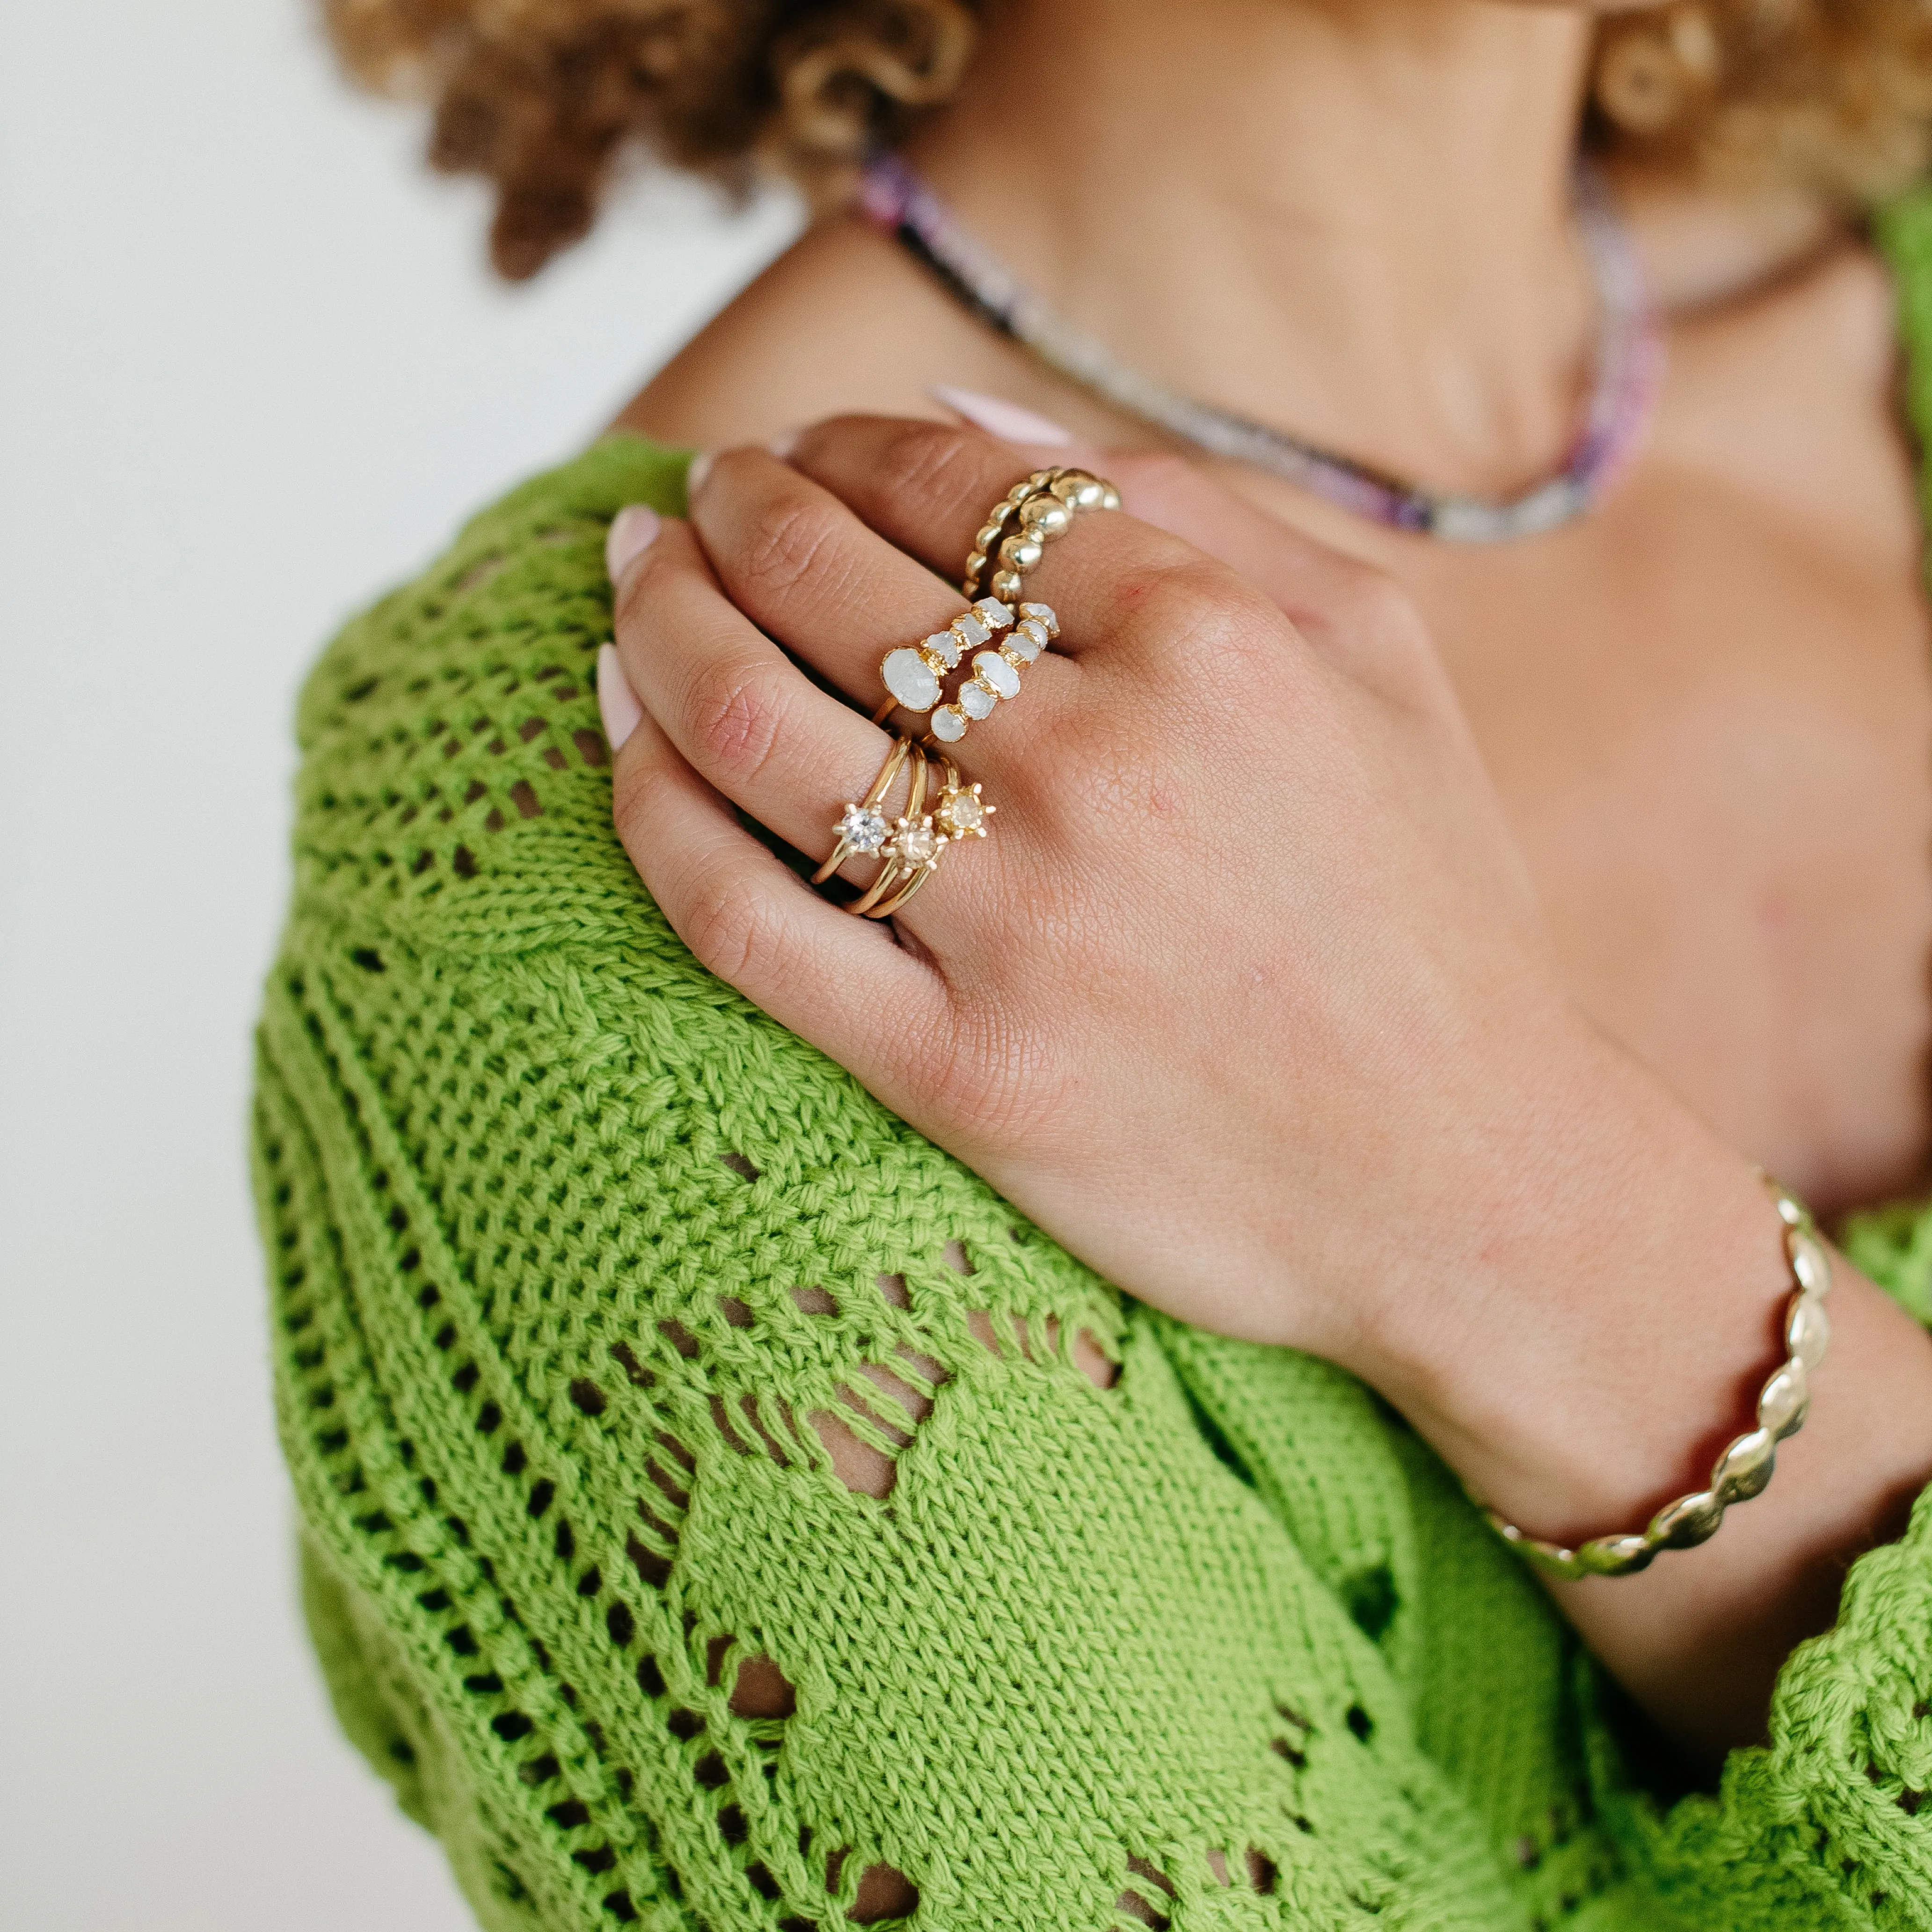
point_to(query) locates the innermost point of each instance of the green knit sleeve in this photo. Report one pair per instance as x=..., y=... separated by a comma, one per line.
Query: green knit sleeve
x=575, y=1256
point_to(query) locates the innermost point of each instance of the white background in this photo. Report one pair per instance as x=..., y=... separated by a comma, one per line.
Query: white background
x=252, y=370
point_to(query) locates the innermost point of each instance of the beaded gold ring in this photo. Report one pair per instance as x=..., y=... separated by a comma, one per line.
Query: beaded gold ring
x=1745, y=1469
x=1038, y=510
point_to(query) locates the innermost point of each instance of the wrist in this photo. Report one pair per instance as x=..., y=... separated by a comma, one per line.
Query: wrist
x=1599, y=1307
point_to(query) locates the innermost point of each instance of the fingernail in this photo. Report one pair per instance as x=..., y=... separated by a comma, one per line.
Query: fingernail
x=631, y=530
x=997, y=417
x=617, y=703
x=694, y=476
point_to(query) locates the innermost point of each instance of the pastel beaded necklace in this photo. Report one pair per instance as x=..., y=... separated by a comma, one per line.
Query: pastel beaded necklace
x=1629, y=362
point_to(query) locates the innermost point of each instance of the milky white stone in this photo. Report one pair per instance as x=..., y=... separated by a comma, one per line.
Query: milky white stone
x=1046, y=615
x=945, y=646
x=970, y=631
x=993, y=614
x=863, y=828
x=1028, y=641
x=910, y=678
x=997, y=672
x=975, y=701
x=949, y=724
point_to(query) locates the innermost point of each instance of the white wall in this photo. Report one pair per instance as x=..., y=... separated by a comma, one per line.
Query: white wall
x=251, y=370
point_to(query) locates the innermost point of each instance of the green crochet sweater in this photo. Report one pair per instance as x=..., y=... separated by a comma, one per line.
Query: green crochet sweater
x=568, y=1243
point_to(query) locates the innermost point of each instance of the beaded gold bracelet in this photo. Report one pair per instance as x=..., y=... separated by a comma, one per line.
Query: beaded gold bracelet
x=1745, y=1467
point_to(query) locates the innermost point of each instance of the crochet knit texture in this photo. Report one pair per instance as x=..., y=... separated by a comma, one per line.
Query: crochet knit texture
x=569, y=1245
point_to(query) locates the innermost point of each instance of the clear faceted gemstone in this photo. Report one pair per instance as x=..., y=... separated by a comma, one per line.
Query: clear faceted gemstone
x=945, y=646
x=995, y=671
x=975, y=701
x=863, y=828
x=970, y=632
x=910, y=680
x=993, y=614
x=918, y=844
x=1045, y=614
x=1029, y=640
x=949, y=724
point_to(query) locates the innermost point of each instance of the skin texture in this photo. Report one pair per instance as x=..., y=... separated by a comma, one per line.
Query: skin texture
x=1399, y=951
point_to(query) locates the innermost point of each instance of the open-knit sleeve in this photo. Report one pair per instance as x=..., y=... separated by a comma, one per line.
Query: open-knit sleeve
x=576, y=1260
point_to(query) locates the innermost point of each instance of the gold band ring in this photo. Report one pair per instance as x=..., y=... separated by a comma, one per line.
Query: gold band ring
x=912, y=843
x=862, y=828
x=961, y=814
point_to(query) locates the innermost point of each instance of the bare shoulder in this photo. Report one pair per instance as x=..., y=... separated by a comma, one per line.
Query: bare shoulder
x=841, y=321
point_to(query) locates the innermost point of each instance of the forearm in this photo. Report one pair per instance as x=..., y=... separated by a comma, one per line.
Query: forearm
x=1603, y=1332
x=1607, y=1340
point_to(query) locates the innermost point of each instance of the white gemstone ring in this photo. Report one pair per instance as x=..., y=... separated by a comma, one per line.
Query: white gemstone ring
x=913, y=673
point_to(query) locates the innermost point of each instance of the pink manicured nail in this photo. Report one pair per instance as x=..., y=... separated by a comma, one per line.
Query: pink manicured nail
x=694, y=476
x=997, y=417
x=617, y=703
x=632, y=531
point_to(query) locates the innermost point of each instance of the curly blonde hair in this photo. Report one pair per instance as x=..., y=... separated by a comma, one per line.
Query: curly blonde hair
x=545, y=98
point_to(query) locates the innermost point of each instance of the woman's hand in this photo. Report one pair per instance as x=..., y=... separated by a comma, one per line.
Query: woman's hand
x=1245, y=1000
x=1248, y=972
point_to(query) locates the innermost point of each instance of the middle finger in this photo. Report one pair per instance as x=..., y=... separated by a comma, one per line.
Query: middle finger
x=809, y=572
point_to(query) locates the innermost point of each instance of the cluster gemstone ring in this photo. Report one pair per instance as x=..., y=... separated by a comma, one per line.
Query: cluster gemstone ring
x=1003, y=634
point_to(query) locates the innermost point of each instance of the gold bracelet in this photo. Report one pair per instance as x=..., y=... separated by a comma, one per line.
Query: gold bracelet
x=1745, y=1467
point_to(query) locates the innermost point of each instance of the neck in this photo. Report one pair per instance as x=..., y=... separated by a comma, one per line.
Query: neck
x=1349, y=217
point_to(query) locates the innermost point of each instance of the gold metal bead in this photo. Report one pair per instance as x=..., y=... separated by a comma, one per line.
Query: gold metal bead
x=1021, y=552
x=989, y=535
x=1007, y=586
x=975, y=563
x=1046, y=517
x=1745, y=1467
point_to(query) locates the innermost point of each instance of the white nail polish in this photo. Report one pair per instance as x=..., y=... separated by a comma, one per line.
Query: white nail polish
x=694, y=477
x=998, y=417
x=617, y=703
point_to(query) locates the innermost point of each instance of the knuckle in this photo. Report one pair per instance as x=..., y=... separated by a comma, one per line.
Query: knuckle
x=732, y=929
x=787, y=546
x=636, y=787
x=928, y=461
x=734, y=715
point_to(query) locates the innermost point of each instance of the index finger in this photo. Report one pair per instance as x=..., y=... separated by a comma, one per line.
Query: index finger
x=930, y=489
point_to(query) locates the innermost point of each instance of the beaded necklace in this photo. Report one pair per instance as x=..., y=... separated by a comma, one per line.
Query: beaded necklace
x=1629, y=364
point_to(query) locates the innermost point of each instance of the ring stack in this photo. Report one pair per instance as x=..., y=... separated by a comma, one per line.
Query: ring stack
x=909, y=848
x=1035, y=512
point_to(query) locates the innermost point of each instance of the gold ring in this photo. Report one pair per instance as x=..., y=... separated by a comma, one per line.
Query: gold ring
x=912, y=843
x=862, y=828
x=1038, y=510
x=961, y=814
